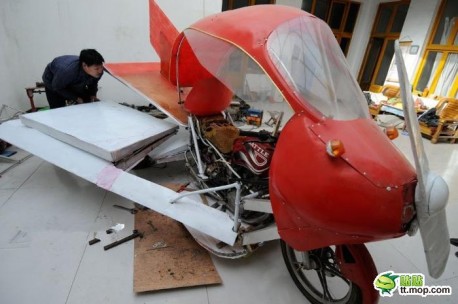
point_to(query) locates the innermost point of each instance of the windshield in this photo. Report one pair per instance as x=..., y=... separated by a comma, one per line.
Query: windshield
x=307, y=55
x=242, y=75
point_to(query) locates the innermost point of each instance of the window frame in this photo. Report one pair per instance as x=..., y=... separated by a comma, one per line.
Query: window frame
x=446, y=49
x=386, y=36
x=340, y=32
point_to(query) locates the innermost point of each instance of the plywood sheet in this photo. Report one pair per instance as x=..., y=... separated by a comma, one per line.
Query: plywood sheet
x=145, y=78
x=105, y=129
x=168, y=257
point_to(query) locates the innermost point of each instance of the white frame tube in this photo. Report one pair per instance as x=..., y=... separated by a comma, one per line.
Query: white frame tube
x=237, y=199
x=196, y=147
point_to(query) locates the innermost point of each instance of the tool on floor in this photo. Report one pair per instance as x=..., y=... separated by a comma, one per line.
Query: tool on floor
x=115, y=228
x=141, y=207
x=131, y=210
x=94, y=241
x=454, y=242
x=135, y=234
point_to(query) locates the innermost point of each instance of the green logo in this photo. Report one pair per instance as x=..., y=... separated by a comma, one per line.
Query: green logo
x=412, y=284
x=385, y=283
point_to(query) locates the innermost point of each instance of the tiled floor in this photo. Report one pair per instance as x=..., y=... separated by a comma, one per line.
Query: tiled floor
x=48, y=215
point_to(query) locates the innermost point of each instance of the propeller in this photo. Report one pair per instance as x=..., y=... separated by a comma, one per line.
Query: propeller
x=431, y=194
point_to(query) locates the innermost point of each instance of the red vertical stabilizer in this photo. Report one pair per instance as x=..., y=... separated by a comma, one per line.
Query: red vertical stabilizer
x=162, y=35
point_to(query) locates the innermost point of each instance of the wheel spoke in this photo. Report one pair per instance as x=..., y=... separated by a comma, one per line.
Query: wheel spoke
x=324, y=284
x=318, y=275
x=336, y=272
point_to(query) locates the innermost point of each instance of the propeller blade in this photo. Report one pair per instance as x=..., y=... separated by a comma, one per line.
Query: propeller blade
x=410, y=118
x=431, y=194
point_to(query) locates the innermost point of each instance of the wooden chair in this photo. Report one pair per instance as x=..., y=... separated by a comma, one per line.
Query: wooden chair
x=447, y=128
x=391, y=91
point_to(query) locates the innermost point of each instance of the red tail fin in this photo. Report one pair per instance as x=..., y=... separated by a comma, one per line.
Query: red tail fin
x=162, y=35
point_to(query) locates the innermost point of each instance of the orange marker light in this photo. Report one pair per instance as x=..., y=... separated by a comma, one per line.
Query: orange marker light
x=335, y=148
x=391, y=132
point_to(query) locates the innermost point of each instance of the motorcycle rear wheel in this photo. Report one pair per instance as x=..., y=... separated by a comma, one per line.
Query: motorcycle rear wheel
x=324, y=283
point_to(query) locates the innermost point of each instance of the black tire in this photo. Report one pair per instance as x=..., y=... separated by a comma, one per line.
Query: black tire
x=315, y=283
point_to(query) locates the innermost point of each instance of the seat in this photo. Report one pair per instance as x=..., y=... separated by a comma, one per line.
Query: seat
x=38, y=88
x=388, y=92
x=447, y=122
x=391, y=91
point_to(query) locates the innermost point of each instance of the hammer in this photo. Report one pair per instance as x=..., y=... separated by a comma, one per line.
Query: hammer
x=134, y=235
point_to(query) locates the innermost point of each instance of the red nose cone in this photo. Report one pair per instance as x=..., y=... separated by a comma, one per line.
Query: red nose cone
x=318, y=200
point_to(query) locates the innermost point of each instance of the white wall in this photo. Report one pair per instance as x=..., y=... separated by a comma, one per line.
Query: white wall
x=6, y=82
x=361, y=34
x=417, y=27
x=33, y=32
x=293, y=3
x=185, y=12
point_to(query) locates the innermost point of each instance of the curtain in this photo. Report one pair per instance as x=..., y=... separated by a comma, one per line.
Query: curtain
x=448, y=75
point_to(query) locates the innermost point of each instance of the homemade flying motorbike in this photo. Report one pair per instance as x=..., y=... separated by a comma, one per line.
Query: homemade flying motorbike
x=280, y=141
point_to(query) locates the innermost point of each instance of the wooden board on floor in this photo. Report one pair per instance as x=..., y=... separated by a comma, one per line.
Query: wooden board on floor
x=168, y=257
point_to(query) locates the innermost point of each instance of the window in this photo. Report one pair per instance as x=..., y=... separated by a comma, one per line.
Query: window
x=309, y=59
x=340, y=15
x=380, y=50
x=439, y=65
x=234, y=4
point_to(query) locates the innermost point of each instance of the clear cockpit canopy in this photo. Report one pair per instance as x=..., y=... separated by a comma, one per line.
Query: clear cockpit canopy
x=304, y=52
x=247, y=81
x=238, y=72
x=307, y=55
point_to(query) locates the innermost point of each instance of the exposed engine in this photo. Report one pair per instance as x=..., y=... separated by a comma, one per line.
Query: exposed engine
x=230, y=155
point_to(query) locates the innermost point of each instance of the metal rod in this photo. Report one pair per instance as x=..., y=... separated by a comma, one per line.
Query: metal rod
x=196, y=147
x=131, y=210
x=237, y=208
x=224, y=160
x=225, y=187
x=15, y=163
x=199, y=132
x=252, y=195
x=277, y=125
x=134, y=235
x=237, y=199
x=177, y=70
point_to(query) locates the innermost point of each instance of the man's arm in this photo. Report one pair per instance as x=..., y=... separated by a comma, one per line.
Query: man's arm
x=92, y=89
x=61, y=81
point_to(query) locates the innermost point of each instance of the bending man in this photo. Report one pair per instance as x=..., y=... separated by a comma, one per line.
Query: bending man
x=73, y=79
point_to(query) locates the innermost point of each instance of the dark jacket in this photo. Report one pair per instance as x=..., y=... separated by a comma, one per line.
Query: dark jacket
x=65, y=76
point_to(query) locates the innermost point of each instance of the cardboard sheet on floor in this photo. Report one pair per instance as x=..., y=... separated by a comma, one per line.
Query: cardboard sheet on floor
x=168, y=257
